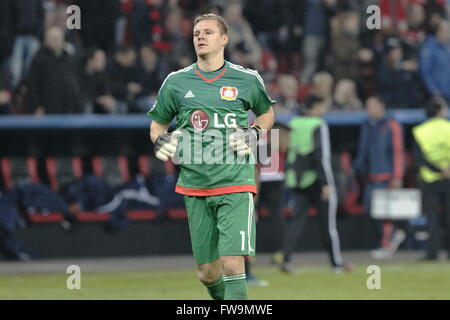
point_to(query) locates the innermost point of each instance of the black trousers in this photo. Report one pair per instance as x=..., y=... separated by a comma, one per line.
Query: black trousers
x=326, y=213
x=434, y=195
x=271, y=196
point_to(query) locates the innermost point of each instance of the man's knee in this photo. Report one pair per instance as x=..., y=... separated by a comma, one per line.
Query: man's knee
x=208, y=272
x=232, y=264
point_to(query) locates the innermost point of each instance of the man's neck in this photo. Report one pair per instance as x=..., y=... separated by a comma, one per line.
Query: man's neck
x=210, y=64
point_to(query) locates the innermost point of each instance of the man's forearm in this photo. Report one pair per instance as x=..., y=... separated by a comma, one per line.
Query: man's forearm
x=266, y=120
x=157, y=129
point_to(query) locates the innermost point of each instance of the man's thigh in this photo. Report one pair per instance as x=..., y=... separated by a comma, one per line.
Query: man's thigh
x=203, y=229
x=236, y=224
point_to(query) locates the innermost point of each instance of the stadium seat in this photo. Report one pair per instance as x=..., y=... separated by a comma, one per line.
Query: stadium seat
x=117, y=172
x=21, y=171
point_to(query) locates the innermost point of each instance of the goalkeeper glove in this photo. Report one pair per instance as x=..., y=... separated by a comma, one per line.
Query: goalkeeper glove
x=243, y=140
x=166, y=145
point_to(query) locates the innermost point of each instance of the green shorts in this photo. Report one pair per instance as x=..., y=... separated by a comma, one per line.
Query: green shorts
x=221, y=225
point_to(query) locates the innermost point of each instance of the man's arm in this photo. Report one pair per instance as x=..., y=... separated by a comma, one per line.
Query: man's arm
x=266, y=120
x=426, y=70
x=157, y=129
x=398, y=155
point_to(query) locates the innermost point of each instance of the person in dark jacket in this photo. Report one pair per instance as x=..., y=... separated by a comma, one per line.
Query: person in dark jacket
x=309, y=176
x=53, y=85
x=435, y=62
x=149, y=78
x=397, y=78
x=432, y=159
x=27, y=18
x=380, y=161
x=123, y=77
x=95, y=89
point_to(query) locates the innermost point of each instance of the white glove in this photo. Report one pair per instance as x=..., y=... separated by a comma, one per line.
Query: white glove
x=243, y=140
x=166, y=145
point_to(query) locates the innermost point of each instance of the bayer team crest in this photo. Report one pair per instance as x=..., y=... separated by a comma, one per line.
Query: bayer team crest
x=199, y=120
x=229, y=93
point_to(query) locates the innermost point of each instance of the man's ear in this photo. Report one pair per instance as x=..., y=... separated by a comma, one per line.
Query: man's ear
x=224, y=40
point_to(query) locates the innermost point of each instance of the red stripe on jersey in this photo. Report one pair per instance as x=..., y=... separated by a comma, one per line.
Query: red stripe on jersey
x=216, y=191
x=213, y=79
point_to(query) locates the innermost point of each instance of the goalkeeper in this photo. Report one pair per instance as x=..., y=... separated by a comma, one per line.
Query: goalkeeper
x=209, y=99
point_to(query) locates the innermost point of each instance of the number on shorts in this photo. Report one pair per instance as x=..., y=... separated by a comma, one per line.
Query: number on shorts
x=243, y=240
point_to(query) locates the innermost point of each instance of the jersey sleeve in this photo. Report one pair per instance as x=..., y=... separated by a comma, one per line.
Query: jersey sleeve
x=260, y=101
x=165, y=107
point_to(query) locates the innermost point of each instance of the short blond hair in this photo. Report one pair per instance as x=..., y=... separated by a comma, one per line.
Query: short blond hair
x=223, y=26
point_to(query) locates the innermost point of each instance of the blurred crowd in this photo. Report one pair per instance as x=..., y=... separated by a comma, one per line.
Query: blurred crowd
x=125, y=48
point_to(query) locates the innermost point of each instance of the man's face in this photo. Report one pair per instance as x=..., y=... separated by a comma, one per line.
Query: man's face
x=208, y=39
x=375, y=109
x=99, y=61
x=54, y=39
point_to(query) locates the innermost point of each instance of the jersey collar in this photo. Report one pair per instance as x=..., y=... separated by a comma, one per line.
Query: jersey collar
x=213, y=75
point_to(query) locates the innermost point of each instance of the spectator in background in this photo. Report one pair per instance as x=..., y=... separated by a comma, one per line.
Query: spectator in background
x=27, y=17
x=149, y=77
x=180, y=33
x=98, y=22
x=243, y=47
x=95, y=91
x=53, y=84
x=123, y=21
x=434, y=18
x=435, y=62
x=148, y=24
x=393, y=17
x=346, y=96
x=315, y=31
x=124, y=80
x=380, y=161
x=432, y=156
x=56, y=15
x=397, y=78
x=416, y=29
x=287, y=101
x=345, y=45
x=322, y=87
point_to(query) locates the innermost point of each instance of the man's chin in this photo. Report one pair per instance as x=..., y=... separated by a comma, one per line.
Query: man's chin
x=203, y=54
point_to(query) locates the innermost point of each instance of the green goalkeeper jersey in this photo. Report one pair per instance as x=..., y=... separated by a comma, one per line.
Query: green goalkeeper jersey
x=207, y=105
